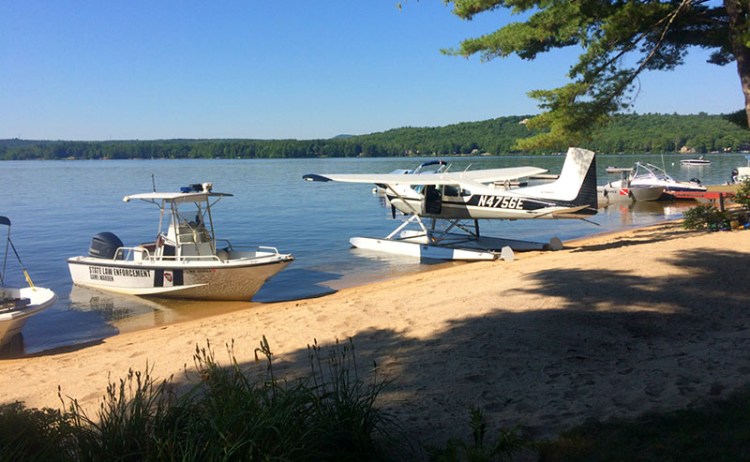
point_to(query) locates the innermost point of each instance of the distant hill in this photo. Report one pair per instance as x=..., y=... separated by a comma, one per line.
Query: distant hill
x=625, y=134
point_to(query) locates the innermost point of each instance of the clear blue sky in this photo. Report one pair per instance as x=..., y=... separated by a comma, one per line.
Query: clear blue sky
x=144, y=69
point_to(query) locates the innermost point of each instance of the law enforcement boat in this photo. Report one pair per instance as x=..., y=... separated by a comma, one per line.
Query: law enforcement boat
x=18, y=304
x=186, y=260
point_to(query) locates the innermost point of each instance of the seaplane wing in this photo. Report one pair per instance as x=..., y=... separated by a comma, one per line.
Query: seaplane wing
x=453, y=178
x=467, y=195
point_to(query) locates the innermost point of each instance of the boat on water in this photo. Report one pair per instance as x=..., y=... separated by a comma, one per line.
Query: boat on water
x=18, y=304
x=624, y=190
x=646, y=174
x=696, y=162
x=741, y=174
x=184, y=261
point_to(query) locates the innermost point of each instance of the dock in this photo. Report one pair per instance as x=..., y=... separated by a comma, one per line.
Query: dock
x=713, y=193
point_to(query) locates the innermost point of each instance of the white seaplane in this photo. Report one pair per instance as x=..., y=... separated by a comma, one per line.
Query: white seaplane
x=184, y=261
x=453, y=199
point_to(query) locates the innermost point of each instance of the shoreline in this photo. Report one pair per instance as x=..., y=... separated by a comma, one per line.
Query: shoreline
x=614, y=324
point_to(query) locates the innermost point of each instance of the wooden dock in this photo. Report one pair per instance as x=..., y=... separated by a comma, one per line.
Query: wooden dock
x=713, y=193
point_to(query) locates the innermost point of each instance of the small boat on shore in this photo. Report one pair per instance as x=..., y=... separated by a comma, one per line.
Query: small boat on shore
x=741, y=174
x=184, y=261
x=18, y=304
x=624, y=190
x=646, y=174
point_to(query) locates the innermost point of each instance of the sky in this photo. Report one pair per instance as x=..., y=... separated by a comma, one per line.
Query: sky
x=282, y=69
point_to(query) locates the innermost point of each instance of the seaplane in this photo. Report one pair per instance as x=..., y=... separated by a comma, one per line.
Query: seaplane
x=444, y=208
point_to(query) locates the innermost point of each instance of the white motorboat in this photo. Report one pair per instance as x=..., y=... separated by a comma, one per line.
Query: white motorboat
x=624, y=190
x=699, y=162
x=18, y=304
x=646, y=175
x=186, y=260
x=741, y=174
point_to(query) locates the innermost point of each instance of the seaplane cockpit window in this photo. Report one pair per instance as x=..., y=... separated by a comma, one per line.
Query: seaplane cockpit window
x=418, y=188
x=450, y=190
x=465, y=192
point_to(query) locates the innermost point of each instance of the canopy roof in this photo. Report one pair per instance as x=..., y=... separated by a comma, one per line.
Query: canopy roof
x=175, y=196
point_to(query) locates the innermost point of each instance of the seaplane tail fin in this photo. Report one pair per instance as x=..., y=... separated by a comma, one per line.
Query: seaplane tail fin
x=587, y=191
x=576, y=185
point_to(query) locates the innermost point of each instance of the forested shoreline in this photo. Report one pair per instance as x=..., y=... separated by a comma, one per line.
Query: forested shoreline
x=648, y=133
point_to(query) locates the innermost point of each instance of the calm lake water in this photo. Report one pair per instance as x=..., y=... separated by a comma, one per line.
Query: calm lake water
x=57, y=206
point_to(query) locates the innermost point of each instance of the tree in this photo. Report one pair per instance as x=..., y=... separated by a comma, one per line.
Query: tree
x=619, y=40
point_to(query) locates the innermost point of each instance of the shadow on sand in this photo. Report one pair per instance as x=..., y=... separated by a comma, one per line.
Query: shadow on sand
x=605, y=344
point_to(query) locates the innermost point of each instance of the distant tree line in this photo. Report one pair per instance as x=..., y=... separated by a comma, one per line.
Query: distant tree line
x=647, y=133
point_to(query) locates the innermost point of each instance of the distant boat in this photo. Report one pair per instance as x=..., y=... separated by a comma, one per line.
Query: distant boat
x=18, y=304
x=697, y=162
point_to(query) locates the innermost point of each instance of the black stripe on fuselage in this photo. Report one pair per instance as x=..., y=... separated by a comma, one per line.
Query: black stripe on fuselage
x=487, y=201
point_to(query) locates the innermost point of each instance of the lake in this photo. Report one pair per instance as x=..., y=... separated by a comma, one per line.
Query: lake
x=57, y=206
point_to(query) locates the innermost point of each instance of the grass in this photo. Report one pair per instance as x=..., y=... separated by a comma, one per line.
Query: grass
x=331, y=414
x=229, y=414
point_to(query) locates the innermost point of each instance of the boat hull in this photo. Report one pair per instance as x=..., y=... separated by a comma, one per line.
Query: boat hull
x=230, y=281
x=13, y=320
x=645, y=193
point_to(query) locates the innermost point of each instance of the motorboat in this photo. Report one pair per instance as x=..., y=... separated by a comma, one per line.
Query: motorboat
x=624, y=190
x=695, y=162
x=185, y=261
x=741, y=174
x=646, y=174
x=431, y=166
x=18, y=304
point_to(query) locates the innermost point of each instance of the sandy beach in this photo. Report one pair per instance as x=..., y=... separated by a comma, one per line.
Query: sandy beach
x=650, y=319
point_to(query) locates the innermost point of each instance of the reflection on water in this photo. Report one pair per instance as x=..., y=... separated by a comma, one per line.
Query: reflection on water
x=128, y=313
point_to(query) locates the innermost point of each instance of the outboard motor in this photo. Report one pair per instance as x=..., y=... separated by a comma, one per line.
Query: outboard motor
x=105, y=245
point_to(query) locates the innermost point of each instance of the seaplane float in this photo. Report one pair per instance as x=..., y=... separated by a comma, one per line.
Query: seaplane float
x=186, y=260
x=444, y=208
x=18, y=304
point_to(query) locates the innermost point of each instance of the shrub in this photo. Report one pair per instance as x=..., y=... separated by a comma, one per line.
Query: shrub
x=231, y=414
x=33, y=434
x=705, y=216
x=742, y=196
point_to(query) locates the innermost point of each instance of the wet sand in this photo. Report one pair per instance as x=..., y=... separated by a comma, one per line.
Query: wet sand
x=650, y=319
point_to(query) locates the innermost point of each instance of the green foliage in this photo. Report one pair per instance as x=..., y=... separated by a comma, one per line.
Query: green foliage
x=231, y=414
x=507, y=444
x=623, y=133
x=618, y=41
x=742, y=196
x=33, y=434
x=705, y=216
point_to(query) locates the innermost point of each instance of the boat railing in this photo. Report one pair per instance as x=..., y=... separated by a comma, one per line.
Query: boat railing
x=143, y=254
x=229, y=247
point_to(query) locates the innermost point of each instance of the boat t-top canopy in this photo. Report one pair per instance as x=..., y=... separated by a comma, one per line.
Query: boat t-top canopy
x=175, y=196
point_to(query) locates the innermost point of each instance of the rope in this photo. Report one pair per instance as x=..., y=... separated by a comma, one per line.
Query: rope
x=25, y=273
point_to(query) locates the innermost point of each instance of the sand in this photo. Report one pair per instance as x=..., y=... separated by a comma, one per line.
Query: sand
x=617, y=325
